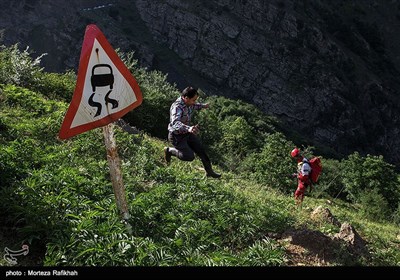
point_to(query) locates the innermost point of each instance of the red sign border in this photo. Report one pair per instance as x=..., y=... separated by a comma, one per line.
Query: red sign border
x=93, y=32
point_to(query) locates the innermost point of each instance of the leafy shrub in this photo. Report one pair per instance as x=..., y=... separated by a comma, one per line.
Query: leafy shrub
x=56, y=86
x=373, y=205
x=236, y=142
x=17, y=67
x=152, y=115
x=396, y=215
x=232, y=130
x=367, y=173
x=273, y=165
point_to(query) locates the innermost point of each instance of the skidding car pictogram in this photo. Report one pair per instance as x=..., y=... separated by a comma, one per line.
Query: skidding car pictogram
x=102, y=80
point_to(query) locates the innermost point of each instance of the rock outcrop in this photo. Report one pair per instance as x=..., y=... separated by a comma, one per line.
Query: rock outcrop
x=323, y=214
x=345, y=247
x=353, y=240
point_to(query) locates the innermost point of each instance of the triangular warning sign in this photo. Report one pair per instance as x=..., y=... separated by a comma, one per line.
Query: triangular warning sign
x=105, y=89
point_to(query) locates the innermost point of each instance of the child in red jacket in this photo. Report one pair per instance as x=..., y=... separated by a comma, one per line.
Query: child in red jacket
x=303, y=173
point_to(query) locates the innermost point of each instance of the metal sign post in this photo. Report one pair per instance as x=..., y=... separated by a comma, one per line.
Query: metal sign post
x=114, y=163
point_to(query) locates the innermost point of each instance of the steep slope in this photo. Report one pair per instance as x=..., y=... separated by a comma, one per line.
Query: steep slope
x=58, y=198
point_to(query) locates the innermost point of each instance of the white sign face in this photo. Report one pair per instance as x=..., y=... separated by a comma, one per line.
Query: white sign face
x=105, y=89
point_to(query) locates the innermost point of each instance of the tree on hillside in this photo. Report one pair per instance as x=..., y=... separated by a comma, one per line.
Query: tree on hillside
x=367, y=173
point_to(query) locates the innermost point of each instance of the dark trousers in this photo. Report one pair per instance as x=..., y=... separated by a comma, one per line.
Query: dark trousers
x=186, y=146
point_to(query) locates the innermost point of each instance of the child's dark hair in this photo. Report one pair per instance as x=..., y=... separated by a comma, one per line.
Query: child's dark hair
x=189, y=92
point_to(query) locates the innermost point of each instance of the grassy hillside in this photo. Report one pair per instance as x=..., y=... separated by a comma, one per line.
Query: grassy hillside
x=57, y=196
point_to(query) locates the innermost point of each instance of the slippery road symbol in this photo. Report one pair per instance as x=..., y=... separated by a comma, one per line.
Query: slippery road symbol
x=102, y=80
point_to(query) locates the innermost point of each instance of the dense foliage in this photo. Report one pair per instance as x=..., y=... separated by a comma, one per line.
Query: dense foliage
x=59, y=196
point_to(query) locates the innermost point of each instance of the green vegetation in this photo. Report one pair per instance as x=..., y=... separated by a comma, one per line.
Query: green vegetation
x=58, y=196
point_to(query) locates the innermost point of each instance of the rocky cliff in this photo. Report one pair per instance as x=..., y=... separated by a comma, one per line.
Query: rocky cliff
x=328, y=69
x=329, y=75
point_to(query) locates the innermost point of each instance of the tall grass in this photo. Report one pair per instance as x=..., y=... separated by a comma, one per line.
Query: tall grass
x=59, y=196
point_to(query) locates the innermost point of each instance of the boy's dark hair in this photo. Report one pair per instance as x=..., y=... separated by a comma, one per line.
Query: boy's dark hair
x=189, y=92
